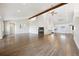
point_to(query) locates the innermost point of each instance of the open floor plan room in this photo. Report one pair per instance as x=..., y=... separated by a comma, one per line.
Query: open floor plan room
x=39, y=29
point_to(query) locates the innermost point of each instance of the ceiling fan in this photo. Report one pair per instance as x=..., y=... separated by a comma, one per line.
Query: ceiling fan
x=53, y=13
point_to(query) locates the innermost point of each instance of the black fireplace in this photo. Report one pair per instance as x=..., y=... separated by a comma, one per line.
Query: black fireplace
x=41, y=30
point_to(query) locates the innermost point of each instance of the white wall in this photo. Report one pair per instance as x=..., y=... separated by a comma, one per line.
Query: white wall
x=41, y=21
x=63, y=28
x=76, y=24
x=1, y=29
x=63, y=17
x=21, y=26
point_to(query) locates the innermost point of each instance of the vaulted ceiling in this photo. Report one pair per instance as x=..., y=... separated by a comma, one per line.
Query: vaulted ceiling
x=9, y=11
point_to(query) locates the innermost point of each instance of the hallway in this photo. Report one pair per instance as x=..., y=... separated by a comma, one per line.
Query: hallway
x=34, y=45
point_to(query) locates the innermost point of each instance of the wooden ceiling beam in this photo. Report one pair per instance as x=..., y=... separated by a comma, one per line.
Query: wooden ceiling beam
x=47, y=10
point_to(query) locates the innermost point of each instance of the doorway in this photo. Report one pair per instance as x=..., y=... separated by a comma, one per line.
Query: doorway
x=12, y=28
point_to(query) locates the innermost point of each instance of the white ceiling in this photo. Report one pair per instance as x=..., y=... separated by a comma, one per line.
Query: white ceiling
x=64, y=14
x=9, y=11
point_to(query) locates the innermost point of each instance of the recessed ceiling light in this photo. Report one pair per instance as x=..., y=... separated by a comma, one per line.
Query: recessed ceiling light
x=18, y=11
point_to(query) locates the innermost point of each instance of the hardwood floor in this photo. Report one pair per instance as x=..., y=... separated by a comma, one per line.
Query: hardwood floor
x=34, y=45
